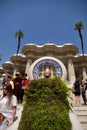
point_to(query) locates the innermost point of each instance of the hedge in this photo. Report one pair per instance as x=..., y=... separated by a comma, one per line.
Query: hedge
x=46, y=106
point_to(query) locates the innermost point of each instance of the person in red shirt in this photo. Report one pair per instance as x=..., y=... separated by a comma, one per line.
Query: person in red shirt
x=25, y=82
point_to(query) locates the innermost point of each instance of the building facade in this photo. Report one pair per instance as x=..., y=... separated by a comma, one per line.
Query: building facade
x=48, y=60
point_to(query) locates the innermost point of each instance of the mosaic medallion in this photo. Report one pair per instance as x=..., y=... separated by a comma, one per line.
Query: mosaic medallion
x=49, y=66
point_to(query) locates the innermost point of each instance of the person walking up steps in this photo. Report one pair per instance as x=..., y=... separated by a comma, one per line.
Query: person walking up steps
x=25, y=82
x=17, y=85
x=86, y=90
x=77, y=91
x=83, y=92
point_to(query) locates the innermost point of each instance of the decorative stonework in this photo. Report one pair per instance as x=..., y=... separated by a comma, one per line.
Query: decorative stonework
x=59, y=68
x=47, y=62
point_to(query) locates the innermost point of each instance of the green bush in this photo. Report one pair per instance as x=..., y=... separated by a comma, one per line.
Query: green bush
x=46, y=106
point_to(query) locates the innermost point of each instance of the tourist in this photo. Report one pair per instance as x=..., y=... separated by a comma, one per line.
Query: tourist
x=8, y=79
x=86, y=89
x=8, y=103
x=2, y=80
x=83, y=92
x=25, y=82
x=77, y=91
x=17, y=85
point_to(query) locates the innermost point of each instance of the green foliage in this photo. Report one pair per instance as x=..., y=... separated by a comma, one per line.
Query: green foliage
x=79, y=25
x=46, y=106
x=19, y=33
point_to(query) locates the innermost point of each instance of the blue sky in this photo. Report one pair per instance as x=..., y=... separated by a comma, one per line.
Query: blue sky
x=41, y=21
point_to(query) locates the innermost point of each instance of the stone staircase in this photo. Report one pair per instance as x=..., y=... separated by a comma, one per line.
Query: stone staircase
x=81, y=113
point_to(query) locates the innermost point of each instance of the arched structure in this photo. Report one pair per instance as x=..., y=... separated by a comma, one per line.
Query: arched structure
x=47, y=67
x=49, y=60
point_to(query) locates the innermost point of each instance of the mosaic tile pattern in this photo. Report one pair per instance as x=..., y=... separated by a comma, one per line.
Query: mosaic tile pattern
x=47, y=62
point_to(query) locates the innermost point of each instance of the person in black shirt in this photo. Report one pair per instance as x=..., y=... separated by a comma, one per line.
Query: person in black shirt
x=83, y=91
x=77, y=91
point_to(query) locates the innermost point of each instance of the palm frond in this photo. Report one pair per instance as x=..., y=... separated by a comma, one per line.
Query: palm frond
x=79, y=26
x=19, y=34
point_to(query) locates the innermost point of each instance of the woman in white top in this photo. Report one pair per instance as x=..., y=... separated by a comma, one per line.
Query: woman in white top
x=8, y=103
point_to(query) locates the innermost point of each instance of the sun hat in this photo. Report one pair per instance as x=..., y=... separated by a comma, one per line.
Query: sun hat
x=3, y=75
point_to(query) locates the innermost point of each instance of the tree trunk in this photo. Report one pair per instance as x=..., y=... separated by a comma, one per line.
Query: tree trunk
x=81, y=41
x=18, y=45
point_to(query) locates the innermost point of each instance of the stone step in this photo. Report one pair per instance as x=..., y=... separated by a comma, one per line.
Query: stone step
x=83, y=118
x=81, y=113
x=82, y=107
x=84, y=126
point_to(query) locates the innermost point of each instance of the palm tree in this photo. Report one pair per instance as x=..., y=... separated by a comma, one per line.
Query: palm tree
x=20, y=35
x=78, y=27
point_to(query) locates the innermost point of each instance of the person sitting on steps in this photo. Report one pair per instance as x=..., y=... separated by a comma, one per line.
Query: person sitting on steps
x=8, y=103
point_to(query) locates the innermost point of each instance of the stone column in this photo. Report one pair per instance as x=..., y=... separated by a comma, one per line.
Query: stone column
x=71, y=71
x=29, y=63
x=15, y=70
x=84, y=73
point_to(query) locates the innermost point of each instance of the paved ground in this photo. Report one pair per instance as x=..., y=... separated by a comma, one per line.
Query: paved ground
x=18, y=116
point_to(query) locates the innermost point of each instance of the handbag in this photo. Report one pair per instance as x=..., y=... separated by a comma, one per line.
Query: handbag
x=73, y=89
x=1, y=117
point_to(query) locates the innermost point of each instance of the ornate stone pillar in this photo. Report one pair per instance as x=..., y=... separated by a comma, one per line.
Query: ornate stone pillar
x=84, y=73
x=71, y=71
x=47, y=72
x=29, y=63
x=15, y=70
